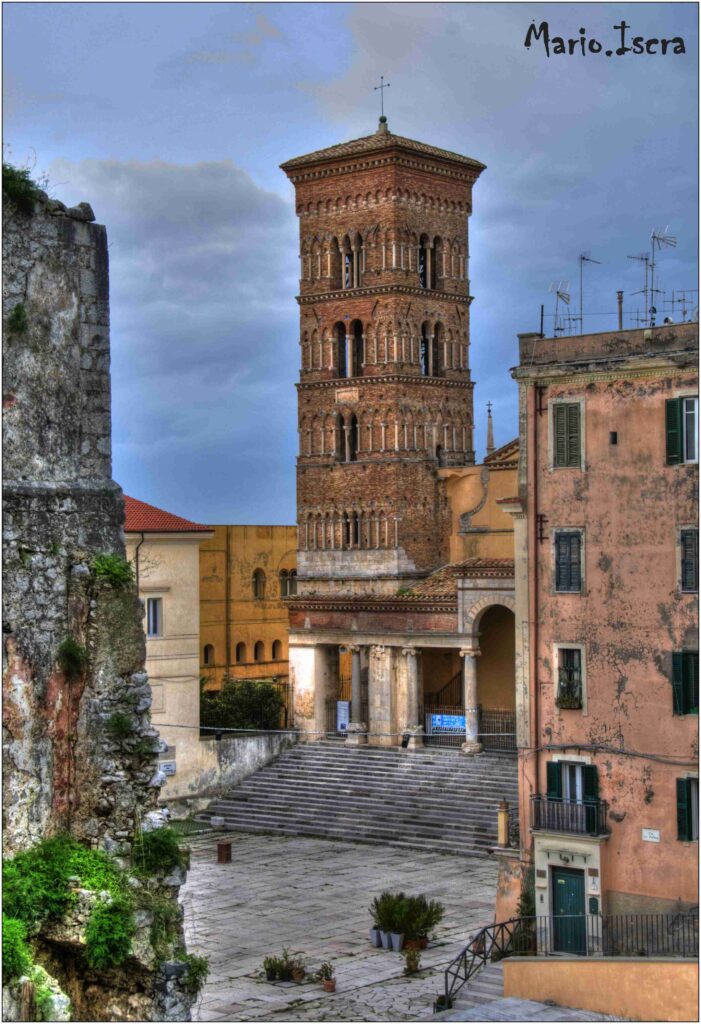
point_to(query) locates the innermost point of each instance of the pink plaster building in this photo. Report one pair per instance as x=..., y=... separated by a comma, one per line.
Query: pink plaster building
x=606, y=575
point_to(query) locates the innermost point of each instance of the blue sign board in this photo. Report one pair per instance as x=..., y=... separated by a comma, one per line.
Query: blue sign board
x=447, y=723
x=342, y=715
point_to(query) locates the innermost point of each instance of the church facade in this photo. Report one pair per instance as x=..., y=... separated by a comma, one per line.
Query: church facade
x=399, y=586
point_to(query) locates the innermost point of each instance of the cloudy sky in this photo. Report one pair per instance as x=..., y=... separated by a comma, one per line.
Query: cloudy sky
x=172, y=119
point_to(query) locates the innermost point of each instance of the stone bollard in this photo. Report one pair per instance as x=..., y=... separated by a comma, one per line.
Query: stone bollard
x=503, y=824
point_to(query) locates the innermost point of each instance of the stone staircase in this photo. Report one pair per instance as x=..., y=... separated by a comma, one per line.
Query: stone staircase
x=432, y=800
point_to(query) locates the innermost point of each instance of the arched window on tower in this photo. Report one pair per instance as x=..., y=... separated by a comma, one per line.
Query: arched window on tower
x=341, y=354
x=347, y=268
x=258, y=651
x=240, y=653
x=209, y=654
x=258, y=584
x=277, y=650
x=336, y=265
x=340, y=439
x=355, y=530
x=284, y=583
x=292, y=583
x=423, y=351
x=358, y=348
x=353, y=440
x=437, y=351
x=436, y=265
x=423, y=266
x=346, y=531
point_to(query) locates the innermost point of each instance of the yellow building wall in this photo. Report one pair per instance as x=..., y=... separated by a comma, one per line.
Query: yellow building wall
x=168, y=567
x=229, y=613
x=474, y=492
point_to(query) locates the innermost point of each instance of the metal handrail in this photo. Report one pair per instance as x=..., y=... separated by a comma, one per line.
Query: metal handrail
x=602, y=935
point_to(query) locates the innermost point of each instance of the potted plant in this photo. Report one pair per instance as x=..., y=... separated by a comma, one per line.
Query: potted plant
x=299, y=971
x=375, y=914
x=400, y=913
x=432, y=913
x=326, y=977
x=285, y=967
x=384, y=913
x=271, y=967
x=442, y=1003
x=412, y=961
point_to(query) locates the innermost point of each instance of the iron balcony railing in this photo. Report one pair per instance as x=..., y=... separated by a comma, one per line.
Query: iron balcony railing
x=650, y=935
x=585, y=819
x=569, y=688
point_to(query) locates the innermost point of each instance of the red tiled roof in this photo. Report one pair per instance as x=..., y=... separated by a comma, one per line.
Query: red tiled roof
x=143, y=518
x=442, y=581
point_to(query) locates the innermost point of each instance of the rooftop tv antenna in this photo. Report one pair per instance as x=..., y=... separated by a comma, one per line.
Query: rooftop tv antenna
x=685, y=299
x=584, y=257
x=643, y=258
x=561, y=290
x=658, y=239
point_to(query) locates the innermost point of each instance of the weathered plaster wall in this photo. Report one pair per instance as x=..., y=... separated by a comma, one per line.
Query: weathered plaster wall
x=632, y=989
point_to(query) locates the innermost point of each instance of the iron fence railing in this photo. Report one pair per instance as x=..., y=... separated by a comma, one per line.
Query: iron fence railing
x=587, y=819
x=444, y=726
x=652, y=935
x=497, y=728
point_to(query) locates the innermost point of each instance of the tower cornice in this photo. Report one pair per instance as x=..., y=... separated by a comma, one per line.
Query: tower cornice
x=385, y=378
x=386, y=289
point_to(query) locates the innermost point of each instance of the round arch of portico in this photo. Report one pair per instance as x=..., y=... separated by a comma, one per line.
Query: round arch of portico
x=474, y=615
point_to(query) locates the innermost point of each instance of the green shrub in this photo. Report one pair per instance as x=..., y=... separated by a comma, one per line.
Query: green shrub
x=35, y=882
x=196, y=974
x=72, y=658
x=165, y=923
x=17, y=320
x=109, y=933
x=16, y=957
x=120, y=725
x=387, y=910
x=157, y=852
x=113, y=568
x=412, y=960
x=18, y=188
x=43, y=994
x=242, y=704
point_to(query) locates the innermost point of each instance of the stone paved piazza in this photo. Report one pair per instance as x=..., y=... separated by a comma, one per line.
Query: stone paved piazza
x=313, y=896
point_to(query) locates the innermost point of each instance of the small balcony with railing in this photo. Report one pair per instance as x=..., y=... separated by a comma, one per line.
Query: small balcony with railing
x=586, y=818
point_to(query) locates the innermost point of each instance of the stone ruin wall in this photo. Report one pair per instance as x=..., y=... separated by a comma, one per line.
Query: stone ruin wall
x=64, y=770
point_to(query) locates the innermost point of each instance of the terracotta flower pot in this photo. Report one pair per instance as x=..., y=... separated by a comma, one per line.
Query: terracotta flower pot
x=423, y=942
x=412, y=944
x=329, y=984
x=299, y=974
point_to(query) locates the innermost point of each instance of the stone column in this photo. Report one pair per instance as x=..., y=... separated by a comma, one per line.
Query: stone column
x=469, y=677
x=357, y=729
x=413, y=721
x=380, y=700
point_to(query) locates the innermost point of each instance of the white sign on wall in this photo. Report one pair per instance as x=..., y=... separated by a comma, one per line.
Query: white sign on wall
x=167, y=767
x=651, y=835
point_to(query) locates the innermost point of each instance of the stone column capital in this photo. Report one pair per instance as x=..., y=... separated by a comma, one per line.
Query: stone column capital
x=377, y=650
x=473, y=652
x=411, y=651
x=351, y=648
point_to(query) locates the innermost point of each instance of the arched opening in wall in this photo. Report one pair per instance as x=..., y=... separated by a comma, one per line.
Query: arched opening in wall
x=209, y=654
x=335, y=261
x=358, y=348
x=292, y=583
x=284, y=583
x=424, y=351
x=440, y=456
x=347, y=255
x=340, y=439
x=437, y=262
x=423, y=254
x=496, y=678
x=355, y=530
x=339, y=332
x=240, y=653
x=437, y=351
x=258, y=651
x=258, y=585
x=277, y=650
x=346, y=531
x=353, y=440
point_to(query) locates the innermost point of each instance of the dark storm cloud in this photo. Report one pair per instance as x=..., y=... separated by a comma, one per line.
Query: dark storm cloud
x=202, y=265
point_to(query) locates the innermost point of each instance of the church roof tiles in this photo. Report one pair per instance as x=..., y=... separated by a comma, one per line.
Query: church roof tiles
x=144, y=518
x=375, y=143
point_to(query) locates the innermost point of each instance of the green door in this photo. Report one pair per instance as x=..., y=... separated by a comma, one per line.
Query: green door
x=569, y=920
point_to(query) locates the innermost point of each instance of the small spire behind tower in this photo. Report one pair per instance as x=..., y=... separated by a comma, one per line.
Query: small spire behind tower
x=490, y=430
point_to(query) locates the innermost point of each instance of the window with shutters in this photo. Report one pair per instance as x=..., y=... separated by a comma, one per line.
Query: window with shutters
x=567, y=435
x=689, y=576
x=568, y=561
x=681, y=426
x=688, y=810
x=685, y=682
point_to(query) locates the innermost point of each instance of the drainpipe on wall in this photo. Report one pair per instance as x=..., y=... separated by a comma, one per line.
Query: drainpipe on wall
x=136, y=561
x=227, y=600
x=533, y=405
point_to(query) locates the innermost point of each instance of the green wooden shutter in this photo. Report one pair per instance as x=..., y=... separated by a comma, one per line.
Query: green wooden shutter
x=561, y=562
x=690, y=681
x=690, y=560
x=560, y=422
x=678, y=682
x=673, y=425
x=575, y=562
x=683, y=809
x=591, y=783
x=554, y=779
x=573, y=445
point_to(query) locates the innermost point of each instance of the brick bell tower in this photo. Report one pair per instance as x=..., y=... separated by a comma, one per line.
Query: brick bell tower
x=385, y=396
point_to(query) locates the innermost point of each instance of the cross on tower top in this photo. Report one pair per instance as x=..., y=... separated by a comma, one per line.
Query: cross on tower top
x=382, y=86
x=489, y=408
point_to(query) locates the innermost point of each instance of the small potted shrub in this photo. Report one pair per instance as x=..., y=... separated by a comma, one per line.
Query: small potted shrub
x=400, y=914
x=271, y=967
x=375, y=914
x=384, y=910
x=285, y=966
x=412, y=961
x=441, y=1004
x=326, y=977
x=299, y=971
